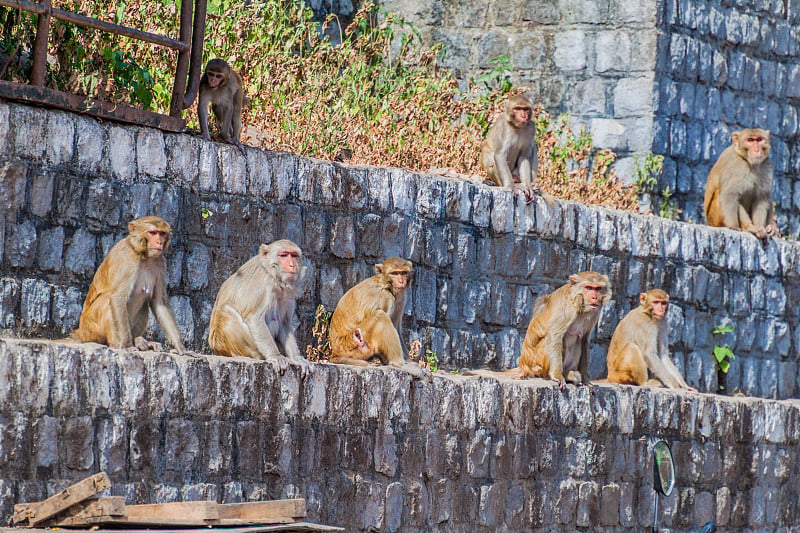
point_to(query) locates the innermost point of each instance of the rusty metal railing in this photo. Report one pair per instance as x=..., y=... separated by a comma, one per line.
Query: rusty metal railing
x=190, y=56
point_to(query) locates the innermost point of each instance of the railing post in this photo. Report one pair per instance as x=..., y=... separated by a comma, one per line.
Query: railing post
x=39, y=73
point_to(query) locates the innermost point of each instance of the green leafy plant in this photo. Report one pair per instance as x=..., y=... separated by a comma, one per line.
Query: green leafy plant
x=667, y=207
x=130, y=76
x=646, y=175
x=429, y=361
x=723, y=354
x=499, y=77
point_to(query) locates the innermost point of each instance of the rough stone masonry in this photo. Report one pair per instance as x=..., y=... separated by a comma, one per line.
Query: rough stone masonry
x=482, y=256
x=372, y=450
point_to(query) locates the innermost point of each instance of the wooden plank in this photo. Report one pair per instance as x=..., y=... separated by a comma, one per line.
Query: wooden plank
x=195, y=511
x=296, y=526
x=37, y=512
x=292, y=508
x=79, y=514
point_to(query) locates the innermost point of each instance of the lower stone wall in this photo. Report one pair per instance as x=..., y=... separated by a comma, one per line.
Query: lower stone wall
x=372, y=450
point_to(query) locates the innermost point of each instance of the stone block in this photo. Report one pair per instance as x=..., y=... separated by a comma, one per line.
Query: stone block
x=78, y=441
x=60, y=137
x=633, y=96
x=612, y=51
x=184, y=316
x=29, y=131
x=502, y=213
x=570, y=50
x=36, y=296
x=233, y=168
x=67, y=307
x=20, y=247
x=12, y=189
x=121, y=153
x=608, y=133
x=89, y=143
x=5, y=124
x=80, y=255
x=208, y=171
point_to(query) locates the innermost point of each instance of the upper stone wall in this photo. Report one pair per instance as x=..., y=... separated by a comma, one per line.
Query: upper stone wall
x=723, y=66
x=71, y=184
x=672, y=77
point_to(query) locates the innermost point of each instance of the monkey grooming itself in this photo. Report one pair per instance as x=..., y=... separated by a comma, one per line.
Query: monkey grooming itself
x=130, y=281
x=254, y=309
x=640, y=344
x=368, y=319
x=739, y=187
x=221, y=87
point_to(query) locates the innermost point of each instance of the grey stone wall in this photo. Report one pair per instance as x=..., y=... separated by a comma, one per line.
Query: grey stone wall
x=371, y=450
x=723, y=66
x=593, y=59
x=481, y=254
x=672, y=77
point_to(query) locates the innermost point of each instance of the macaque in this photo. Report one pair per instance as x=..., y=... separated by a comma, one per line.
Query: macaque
x=368, y=319
x=221, y=86
x=640, y=344
x=509, y=152
x=739, y=187
x=130, y=281
x=254, y=309
x=556, y=345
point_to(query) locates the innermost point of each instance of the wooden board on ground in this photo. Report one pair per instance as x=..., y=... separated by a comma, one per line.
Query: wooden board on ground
x=287, y=528
x=194, y=511
x=80, y=513
x=294, y=508
x=37, y=512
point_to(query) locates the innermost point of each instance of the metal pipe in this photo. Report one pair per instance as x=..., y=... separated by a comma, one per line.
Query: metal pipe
x=198, y=41
x=39, y=71
x=89, y=22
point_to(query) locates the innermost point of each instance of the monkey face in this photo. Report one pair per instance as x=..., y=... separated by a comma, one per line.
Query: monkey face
x=399, y=280
x=156, y=240
x=659, y=308
x=520, y=115
x=591, y=295
x=216, y=78
x=289, y=261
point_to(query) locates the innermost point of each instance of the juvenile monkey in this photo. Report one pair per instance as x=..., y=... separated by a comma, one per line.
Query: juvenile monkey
x=640, y=344
x=739, y=187
x=368, y=319
x=254, y=309
x=221, y=87
x=509, y=152
x=556, y=345
x=130, y=281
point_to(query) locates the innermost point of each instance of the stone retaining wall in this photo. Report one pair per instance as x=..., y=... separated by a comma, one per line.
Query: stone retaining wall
x=371, y=450
x=71, y=184
x=672, y=77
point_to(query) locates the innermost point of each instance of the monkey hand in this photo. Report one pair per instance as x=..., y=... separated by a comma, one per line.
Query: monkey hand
x=142, y=344
x=185, y=352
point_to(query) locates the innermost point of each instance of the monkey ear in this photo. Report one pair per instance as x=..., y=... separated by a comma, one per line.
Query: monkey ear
x=131, y=226
x=573, y=279
x=263, y=250
x=379, y=268
x=642, y=298
x=735, y=137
